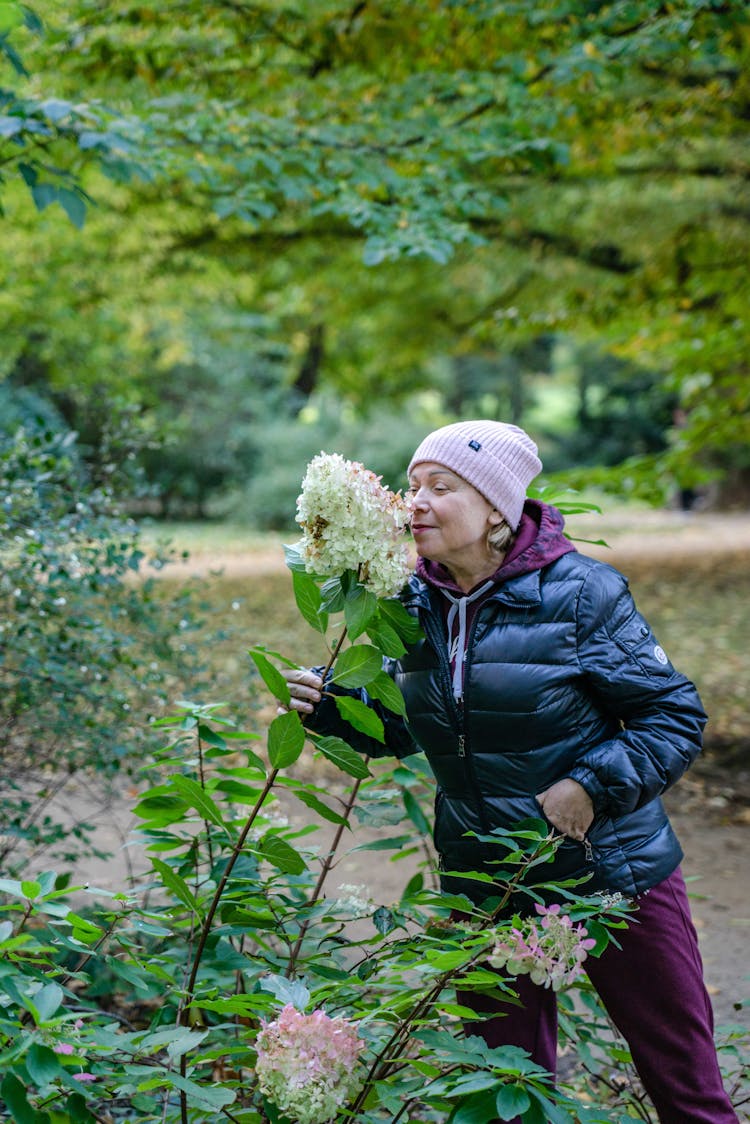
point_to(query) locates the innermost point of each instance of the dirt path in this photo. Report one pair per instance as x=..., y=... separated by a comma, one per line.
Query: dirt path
x=659, y=535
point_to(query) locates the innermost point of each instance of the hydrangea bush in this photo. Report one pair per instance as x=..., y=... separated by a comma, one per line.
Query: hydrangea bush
x=226, y=984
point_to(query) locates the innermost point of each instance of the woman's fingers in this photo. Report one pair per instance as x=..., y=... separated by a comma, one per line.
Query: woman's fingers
x=305, y=690
x=568, y=807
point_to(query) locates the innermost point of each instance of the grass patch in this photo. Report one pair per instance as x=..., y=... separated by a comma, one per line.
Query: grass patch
x=204, y=537
x=700, y=611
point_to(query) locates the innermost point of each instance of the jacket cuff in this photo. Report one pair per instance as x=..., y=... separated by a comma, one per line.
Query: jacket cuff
x=590, y=783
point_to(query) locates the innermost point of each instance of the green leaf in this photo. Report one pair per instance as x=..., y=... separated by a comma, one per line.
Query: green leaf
x=333, y=595
x=11, y=15
x=281, y=855
x=214, y=1097
x=210, y=737
x=386, y=691
x=511, y=1101
x=357, y=665
x=271, y=676
x=311, y=801
x=286, y=739
x=176, y=884
x=394, y=843
x=293, y=557
x=308, y=598
x=599, y=933
x=42, y=1064
x=359, y=607
x=547, y=1110
x=383, y=920
x=476, y=1109
x=14, y=1096
x=11, y=886
x=360, y=716
x=198, y=798
x=43, y=195
x=73, y=205
x=287, y=991
x=161, y=809
x=77, y=1110
x=386, y=638
x=237, y=791
x=477, y=1082
x=176, y=1040
x=415, y=813
x=47, y=1001
x=342, y=756
x=31, y=890
x=401, y=620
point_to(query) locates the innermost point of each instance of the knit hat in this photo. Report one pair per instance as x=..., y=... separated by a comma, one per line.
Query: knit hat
x=499, y=460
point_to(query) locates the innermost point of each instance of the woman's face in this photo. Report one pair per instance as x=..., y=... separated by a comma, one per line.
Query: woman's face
x=450, y=518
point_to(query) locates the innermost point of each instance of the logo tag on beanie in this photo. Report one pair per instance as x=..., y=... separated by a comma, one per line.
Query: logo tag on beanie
x=475, y=446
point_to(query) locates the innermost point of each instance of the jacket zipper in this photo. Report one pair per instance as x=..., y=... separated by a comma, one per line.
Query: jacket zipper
x=436, y=637
x=458, y=705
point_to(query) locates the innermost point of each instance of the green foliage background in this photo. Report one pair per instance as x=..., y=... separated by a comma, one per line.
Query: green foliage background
x=377, y=200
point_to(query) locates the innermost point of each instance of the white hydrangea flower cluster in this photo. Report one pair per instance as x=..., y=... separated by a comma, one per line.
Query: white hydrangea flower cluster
x=355, y=899
x=351, y=521
x=307, y=1064
x=551, y=951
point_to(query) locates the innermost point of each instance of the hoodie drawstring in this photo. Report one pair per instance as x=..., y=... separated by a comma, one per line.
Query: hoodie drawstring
x=457, y=644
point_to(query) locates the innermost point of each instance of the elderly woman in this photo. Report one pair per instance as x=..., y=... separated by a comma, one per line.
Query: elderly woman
x=538, y=689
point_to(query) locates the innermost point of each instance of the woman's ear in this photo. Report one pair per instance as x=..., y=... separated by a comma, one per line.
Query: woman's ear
x=495, y=518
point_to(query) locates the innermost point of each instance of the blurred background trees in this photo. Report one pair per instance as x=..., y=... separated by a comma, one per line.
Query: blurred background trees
x=256, y=230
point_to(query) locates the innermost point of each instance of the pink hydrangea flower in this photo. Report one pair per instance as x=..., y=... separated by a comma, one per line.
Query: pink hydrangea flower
x=307, y=1064
x=550, y=950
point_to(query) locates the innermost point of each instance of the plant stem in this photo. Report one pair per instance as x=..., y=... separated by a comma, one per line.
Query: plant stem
x=324, y=872
x=334, y=655
x=208, y=921
x=328, y=862
x=206, y=824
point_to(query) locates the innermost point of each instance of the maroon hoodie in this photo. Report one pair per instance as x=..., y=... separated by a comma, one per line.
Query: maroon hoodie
x=539, y=541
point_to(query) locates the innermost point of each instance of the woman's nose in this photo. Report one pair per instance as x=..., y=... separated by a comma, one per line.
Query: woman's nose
x=419, y=500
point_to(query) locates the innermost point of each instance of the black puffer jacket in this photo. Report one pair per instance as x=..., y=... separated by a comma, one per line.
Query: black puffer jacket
x=563, y=678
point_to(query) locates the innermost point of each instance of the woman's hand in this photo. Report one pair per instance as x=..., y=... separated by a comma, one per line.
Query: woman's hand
x=305, y=688
x=568, y=807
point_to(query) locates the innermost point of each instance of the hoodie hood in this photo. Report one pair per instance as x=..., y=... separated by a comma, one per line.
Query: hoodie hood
x=539, y=541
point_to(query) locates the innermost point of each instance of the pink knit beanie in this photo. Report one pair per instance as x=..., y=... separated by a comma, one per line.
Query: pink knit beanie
x=499, y=460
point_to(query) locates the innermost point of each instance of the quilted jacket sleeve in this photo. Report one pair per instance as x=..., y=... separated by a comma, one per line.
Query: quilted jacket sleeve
x=326, y=719
x=632, y=679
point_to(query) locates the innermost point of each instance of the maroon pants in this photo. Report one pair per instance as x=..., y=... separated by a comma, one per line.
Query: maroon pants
x=653, y=990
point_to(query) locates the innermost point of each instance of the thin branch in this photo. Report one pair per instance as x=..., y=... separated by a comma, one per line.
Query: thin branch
x=325, y=871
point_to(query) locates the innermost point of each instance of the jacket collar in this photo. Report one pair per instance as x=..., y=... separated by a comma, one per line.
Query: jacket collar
x=522, y=590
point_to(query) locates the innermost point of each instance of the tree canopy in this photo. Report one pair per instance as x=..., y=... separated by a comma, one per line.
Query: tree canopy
x=380, y=187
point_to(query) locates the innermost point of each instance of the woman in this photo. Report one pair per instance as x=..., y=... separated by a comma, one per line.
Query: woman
x=538, y=689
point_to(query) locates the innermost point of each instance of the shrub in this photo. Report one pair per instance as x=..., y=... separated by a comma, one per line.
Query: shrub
x=84, y=641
